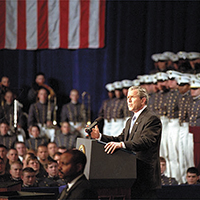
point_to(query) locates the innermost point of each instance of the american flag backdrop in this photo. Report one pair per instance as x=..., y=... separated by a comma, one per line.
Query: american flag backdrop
x=52, y=24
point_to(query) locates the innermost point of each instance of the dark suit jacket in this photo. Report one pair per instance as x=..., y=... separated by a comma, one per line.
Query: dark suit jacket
x=145, y=141
x=82, y=189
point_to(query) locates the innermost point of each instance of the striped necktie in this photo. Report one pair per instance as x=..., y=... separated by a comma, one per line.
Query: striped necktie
x=132, y=123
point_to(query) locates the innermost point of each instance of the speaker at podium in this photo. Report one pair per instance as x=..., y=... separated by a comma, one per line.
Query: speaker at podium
x=117, y=170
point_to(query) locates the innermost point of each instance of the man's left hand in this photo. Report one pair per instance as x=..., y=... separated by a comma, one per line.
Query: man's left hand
x=111, y=146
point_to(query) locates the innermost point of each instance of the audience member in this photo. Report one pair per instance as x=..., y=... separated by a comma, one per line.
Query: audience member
x=16, y=171
x=52, y=148
x=57, y=156
x=42, y=154
x=52, y=180
x=21, y=149
x=6, y=138
x=12, y=155
x=66, y=137
x=62, y=149
x=28, y=177
x=71, y=168
x=4, y=176
x=164, y=179
x=192, y=176
x=35, y=140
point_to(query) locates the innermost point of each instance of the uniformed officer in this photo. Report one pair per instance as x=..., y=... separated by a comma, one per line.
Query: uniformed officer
x=164, y=179
x=66, y=137
x=193, y=57
x=173, y=124
x=117, y=110
x=160, y=108
x=74, y=113
x=185, y=138
x=105, y=109
x=194, y=118
x=162, y=62
x=6, y=138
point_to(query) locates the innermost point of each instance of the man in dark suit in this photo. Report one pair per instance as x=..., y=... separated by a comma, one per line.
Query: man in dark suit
x=71, y=167
x=141, y=134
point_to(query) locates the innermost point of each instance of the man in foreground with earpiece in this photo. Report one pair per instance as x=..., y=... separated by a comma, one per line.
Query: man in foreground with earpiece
x=141, y=134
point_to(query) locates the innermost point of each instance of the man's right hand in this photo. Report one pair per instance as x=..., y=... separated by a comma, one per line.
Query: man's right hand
x=95, y=133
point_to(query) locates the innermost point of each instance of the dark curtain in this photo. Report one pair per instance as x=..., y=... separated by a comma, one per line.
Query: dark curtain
x=134, y=31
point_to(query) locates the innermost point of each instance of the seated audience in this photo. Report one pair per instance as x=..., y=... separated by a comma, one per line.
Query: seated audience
x=35, y=140
x=62, y=149
x=164, y=179
x=66, y=137
x=6, y=138
x=52, y=149
x=192, y=176
x=12, y=156
x=42, y=154
x=3, y=154
x=52, y=180
x=16, y=171
x=21, y=149
x=28, y=177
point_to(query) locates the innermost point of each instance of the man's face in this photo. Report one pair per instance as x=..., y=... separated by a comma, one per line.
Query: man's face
x=3, y=152
x=118, y=93
x=74, y=96
x=21, y=149
x=57, y=158
x=135, y=103
x=3, y=129
x=65, y=128
x=28, y=178
x=42, y=95
x=5, y=81
x=162, y=85
x=16, y=170
x=12, y=155
x=35, y=132
x=42, y=153
x=67, y=169
x=52, y=169
x=195, y=92
x=9, y=98
x=162, y=167
x=172, y=84
x=183, y=88
x=52, y=149
x=34, y=164
x=192, y=178
x=162, y=65
x=40, y=79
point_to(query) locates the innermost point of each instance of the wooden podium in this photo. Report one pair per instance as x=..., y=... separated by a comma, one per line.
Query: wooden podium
x=111, y=174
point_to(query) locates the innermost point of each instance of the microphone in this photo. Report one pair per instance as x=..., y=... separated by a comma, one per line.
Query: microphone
x=96, y=122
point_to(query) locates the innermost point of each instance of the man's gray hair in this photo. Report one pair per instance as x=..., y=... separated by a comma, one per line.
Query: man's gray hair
x=142, y=93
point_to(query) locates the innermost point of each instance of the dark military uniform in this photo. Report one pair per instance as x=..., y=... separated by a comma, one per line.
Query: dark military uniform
x=194, y=128
x=72, y=113
x=33, y=143
x=5, y=177
x=168, y=180
x=67, y=140
x=52, y=182
x=38, y=113
x=8, y=140
x=151, y=101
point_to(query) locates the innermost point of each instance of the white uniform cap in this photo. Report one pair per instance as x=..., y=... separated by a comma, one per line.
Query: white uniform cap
x=183, y=79
x=148, y=79
x=110, y=87
x=127, y=83
x=117, y=85
x=155, y=57
x=182, y=55
x=141, y=78
x=136, y=82
x=154, y=76
x=173, y=74
x=194, y=83
x=193, y=55
x=162, y=76
x=162, y=57
x=168, y=54
x=174, y=58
